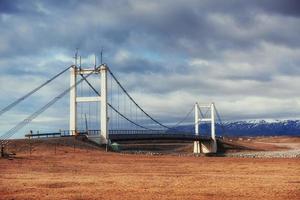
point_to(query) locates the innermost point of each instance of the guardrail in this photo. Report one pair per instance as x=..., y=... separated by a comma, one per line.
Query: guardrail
x=42, y=135
x=62, y=133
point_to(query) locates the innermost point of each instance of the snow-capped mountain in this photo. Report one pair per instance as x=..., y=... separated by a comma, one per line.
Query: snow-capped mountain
x=251, y=128
x=262, y=127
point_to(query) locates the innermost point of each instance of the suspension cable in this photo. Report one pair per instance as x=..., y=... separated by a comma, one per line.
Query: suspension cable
x=84, y=78
x=135, y=101
x=26, y=121
x=183, y=119
x=13, y=104
x=220, y=120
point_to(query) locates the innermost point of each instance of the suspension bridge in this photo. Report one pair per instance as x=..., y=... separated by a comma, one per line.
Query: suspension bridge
x=105, y=112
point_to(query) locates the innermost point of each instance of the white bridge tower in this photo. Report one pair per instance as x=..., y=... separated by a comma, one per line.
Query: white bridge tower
x=74, y=100
x=205, y=146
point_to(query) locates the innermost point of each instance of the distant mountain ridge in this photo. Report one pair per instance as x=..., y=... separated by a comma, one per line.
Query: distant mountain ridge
x=251, y=128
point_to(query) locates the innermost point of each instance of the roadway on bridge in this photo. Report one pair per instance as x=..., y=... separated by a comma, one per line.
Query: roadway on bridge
x=166, y=136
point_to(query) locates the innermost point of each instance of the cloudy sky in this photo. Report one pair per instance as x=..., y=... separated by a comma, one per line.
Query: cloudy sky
x=242, y=55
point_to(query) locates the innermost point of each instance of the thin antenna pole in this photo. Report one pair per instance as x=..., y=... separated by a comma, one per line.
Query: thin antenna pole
x=101, y=56
x=76, y=55
x=80, y=62
x=86, y=123
x=95, y=61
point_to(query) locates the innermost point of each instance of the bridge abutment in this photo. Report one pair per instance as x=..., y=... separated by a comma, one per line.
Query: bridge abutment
x=209, y=146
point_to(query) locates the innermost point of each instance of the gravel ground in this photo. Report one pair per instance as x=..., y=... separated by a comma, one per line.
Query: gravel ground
x=295, y=153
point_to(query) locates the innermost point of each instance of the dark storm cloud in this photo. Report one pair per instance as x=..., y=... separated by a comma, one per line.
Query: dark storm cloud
x=139, y=66
x=288, y=7
x=8, y=6
x=183, y=28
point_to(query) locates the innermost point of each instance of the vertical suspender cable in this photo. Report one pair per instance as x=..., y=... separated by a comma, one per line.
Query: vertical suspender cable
x=135, y=101
x=111, y=101
x=117, y=111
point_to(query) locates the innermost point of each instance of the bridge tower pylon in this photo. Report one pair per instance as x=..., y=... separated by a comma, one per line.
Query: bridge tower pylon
x=205, y=146
x=74, y=100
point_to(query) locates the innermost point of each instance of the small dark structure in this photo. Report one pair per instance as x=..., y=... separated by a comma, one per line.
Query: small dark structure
x=2, y=151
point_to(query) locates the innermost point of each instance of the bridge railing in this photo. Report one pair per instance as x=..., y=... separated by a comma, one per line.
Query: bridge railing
x=65, y=133
x=125, y=131
x=42, y=135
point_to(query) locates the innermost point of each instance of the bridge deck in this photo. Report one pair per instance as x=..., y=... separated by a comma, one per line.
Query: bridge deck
x=165, y=136
x=129, y=135
x=126, y=135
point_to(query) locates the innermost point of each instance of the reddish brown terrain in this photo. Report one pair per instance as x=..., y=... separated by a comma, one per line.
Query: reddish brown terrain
x=57, y=170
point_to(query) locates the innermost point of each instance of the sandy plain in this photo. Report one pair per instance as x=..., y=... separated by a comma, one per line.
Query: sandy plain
x=57, y=170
